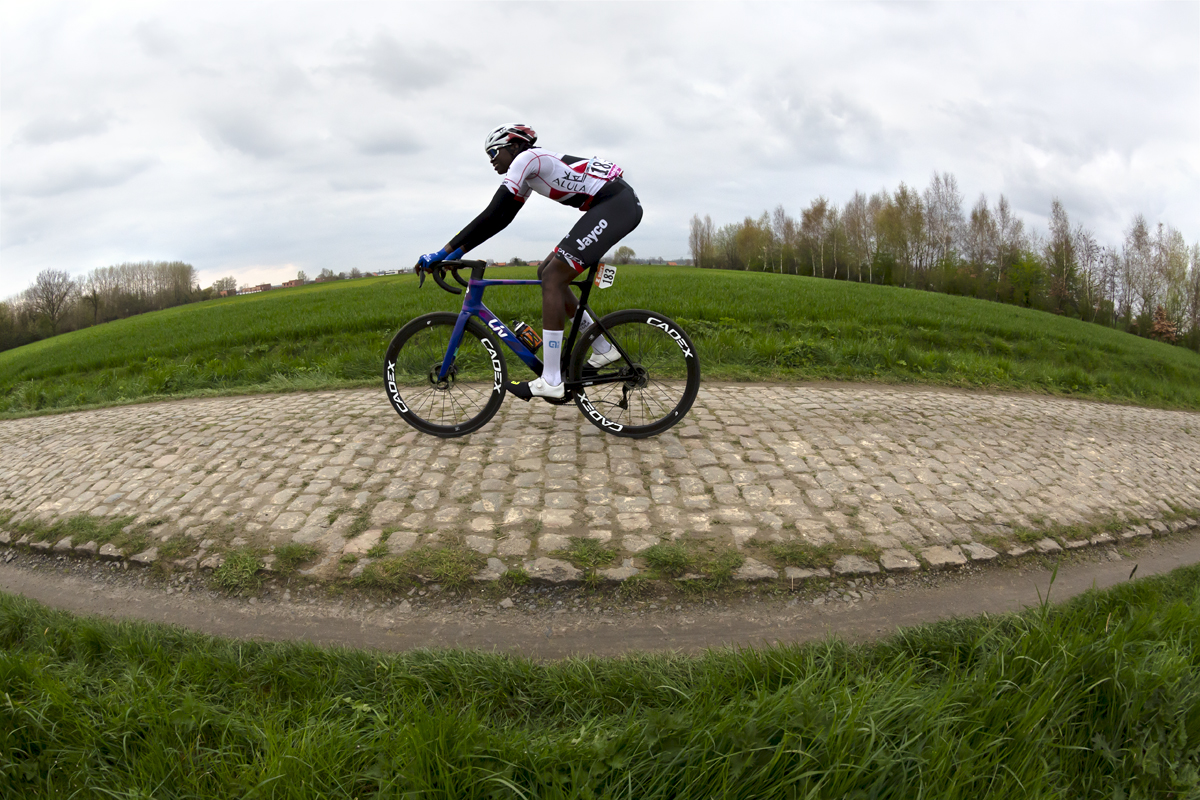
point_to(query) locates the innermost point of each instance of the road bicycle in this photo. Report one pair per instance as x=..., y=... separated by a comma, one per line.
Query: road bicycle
x=446, y=373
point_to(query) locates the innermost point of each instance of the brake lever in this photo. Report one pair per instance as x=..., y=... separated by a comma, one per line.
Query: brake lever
x=421, y=273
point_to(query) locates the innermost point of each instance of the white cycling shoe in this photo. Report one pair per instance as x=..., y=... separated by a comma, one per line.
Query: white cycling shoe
x=527, y=390
x=599, y=360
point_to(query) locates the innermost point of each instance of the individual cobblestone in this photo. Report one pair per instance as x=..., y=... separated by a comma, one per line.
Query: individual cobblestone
x=899, y=560
x=980, y=552
x=552, y=570
x=855, y=565
x=926, y=471
x=943, y=557
x=753, y=570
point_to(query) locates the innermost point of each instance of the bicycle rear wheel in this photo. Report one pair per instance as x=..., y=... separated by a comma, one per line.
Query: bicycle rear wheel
x=473, y=389
x=662, y=374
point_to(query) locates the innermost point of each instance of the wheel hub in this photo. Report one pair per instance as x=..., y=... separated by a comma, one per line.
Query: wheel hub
x=442, y=385
x=639, y=377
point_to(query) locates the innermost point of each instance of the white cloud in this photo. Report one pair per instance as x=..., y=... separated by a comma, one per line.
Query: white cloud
x=334, y=134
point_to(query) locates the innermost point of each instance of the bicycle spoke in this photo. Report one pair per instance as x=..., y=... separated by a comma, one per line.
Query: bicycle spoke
x=460, y=402
x=658, y=384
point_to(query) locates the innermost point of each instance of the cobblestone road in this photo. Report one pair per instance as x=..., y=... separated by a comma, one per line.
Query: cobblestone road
x=908, y=478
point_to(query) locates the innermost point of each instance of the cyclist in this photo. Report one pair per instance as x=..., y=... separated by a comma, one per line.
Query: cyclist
x=610, y=211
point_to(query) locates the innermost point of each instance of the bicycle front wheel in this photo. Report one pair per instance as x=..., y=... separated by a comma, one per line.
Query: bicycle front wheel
x=650, y=388
x=472, y=390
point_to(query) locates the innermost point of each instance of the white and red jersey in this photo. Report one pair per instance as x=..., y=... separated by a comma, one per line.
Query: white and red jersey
x=569, y=180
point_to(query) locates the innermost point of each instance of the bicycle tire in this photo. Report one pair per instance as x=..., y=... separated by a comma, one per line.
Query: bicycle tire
x=664, y=376
x=473, y=390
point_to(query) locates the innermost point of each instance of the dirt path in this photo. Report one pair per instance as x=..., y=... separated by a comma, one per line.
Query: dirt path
x=597, y=625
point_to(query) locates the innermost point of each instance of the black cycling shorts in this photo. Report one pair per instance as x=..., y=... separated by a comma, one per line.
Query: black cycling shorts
x=607, y=222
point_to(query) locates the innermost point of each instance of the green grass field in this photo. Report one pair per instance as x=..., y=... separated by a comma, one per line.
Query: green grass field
x=747, y=326
x=1098, y=698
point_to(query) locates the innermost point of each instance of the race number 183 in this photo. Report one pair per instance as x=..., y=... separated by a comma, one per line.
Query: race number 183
x=606, y=276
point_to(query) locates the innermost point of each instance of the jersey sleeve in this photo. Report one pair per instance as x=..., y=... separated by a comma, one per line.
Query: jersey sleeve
x=524, y=168
x=493, y=219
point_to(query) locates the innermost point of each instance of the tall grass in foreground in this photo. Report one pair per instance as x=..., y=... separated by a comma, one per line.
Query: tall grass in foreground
x=1099, y=698
x=747, y=326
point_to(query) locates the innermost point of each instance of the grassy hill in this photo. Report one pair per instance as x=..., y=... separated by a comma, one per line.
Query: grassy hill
x=1097, y=698
x=747, y=326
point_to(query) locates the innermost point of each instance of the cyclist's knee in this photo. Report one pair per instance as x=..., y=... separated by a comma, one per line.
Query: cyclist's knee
x=556, y=272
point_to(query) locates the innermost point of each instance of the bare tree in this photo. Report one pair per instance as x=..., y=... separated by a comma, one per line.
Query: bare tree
x=1139, y=273
x=814, y=224
x=1193, y=295
x=1169, y=260
x=859, y=226
x=702, y=241
x=696, y=240
x=50, y=296
x=228, y=284
x=904, y=235
x=300, y=276
x=1089, y=256
x=1011, y=239
x=943, y=216
x=787, y=235
x=1060, y=257
x=982, y=237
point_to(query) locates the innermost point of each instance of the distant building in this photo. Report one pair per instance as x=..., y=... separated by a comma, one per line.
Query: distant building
x=293, y=283
x=262, y=287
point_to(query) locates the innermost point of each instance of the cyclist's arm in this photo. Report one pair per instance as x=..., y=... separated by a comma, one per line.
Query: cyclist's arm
x=495, y=218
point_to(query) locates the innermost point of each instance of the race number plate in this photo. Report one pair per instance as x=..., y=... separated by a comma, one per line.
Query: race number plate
x=605, y=276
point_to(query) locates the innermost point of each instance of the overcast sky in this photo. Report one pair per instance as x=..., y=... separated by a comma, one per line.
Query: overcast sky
x=258, y=139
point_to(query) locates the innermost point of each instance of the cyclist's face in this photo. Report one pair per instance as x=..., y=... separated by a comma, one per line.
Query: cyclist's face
x=502, y=159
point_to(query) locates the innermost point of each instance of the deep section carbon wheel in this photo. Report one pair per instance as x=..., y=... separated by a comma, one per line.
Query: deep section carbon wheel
x=470, y=394
x=646, y=390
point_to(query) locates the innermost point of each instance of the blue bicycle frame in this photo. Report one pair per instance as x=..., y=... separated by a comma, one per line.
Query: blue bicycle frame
x=473, y=307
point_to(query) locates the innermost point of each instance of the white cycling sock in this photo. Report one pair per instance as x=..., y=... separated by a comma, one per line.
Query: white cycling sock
x=601, y=344
x=551, y=350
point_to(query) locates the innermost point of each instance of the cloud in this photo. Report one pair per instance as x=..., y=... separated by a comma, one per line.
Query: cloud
x=386, y=143
x=361, y=185
x=348, y=134
x=155, y=40
x=81, y=177
x=245, y=132
x=402, y=69
x=825, y=128
x=53, y=128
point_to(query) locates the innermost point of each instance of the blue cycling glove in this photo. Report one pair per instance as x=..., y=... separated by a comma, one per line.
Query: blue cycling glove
x=429, y=259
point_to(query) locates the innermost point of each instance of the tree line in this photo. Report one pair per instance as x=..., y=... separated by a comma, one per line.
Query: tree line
x=1148, y=284
x=57, y=303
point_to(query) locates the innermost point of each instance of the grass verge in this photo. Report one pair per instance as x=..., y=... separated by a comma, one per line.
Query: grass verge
x=451, y=567
x=239, y=572
x=747, y=326
x=1097, y=698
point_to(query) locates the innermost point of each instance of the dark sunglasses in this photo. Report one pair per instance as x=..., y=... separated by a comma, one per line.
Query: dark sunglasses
x=493, y=152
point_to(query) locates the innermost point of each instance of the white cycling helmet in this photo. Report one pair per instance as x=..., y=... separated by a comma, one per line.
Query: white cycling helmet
x=507, y=134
